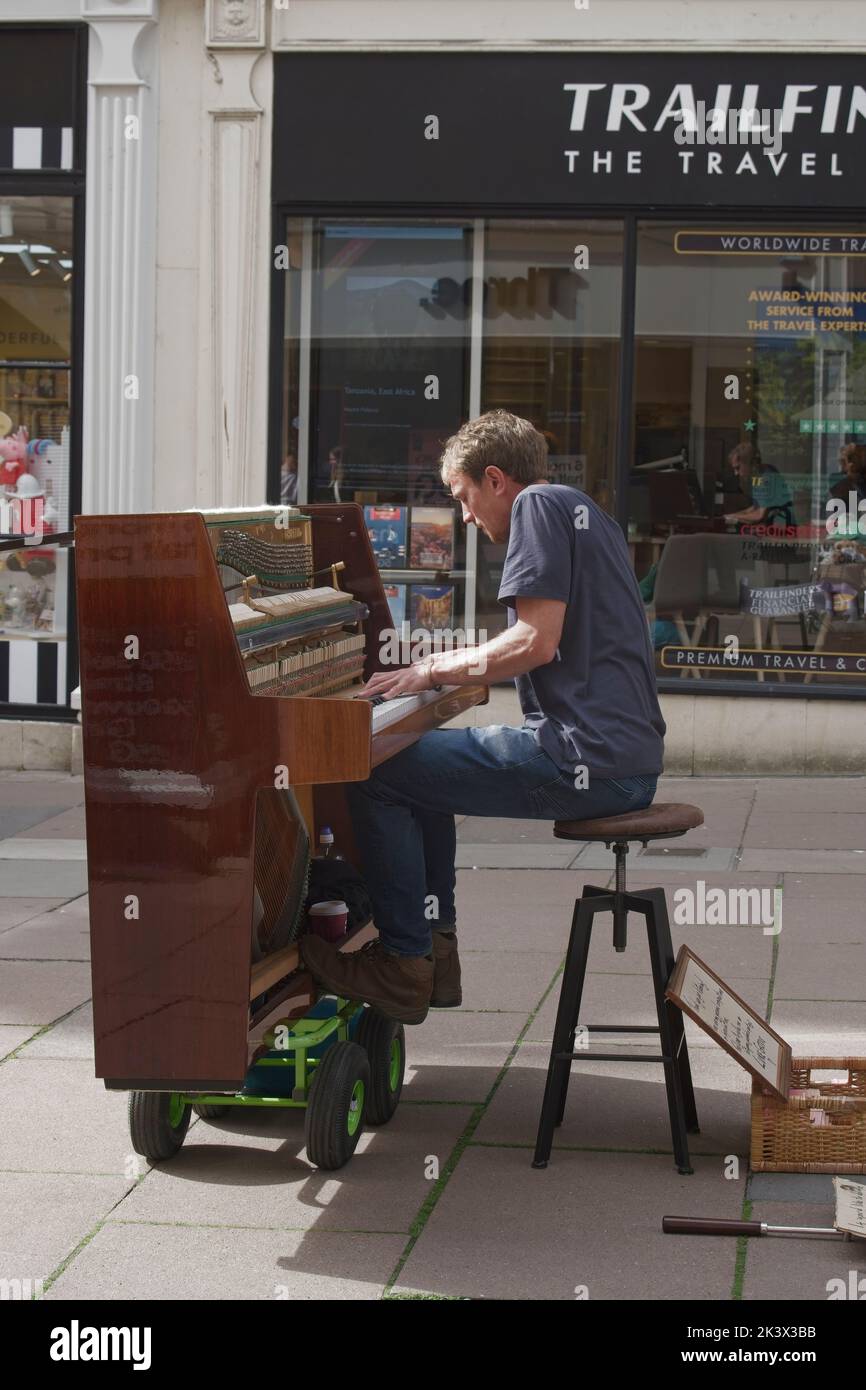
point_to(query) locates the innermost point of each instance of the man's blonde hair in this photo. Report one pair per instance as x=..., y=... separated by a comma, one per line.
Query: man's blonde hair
x=500, y=438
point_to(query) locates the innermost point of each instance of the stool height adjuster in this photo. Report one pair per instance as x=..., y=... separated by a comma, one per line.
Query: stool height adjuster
x=620, y=912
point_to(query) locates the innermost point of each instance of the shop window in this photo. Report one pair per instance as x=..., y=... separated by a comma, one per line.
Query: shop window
x=749, y=450
x=36, y=266
x=550, y=352
x=387, y=324
x=385, y=314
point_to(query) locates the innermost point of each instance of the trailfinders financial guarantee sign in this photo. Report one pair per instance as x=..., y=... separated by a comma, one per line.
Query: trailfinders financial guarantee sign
x=559, y=129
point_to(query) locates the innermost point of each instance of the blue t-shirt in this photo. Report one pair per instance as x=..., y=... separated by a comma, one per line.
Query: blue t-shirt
x=595, y=705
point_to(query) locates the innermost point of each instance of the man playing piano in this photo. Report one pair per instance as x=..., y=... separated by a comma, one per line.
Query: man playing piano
x=591, y=743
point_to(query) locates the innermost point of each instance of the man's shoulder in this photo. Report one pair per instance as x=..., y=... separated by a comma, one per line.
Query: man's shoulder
x=559, y=495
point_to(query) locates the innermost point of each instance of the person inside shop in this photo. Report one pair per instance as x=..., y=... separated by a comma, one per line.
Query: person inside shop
x=852, y=465
x=335, y=472
x=592, y=739
x=289, y=480
x=771, y=496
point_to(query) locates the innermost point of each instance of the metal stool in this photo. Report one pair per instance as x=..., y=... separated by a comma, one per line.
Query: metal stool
x=662, y=821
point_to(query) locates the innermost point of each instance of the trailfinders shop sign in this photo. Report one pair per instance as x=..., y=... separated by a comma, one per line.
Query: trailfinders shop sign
x=566, y=130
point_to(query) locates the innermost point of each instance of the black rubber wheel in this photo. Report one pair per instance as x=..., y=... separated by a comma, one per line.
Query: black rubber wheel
x=335, y=1109
x=157, y=1124
x=211, y=1112
x=384, y=1042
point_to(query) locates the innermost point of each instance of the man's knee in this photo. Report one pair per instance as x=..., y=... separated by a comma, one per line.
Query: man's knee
x=374, y=788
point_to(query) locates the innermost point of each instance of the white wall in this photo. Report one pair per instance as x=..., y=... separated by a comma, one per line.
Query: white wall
x=213, y=266
x=647, y=24
x=176, y=417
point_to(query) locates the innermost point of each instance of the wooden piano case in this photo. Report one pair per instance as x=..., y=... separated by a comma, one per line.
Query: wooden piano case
x=176, y=749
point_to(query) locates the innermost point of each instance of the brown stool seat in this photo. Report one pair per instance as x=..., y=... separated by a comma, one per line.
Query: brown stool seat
x=663, y=820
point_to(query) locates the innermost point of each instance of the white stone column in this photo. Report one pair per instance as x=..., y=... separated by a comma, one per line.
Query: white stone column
x=235, y=256
x=120, y=255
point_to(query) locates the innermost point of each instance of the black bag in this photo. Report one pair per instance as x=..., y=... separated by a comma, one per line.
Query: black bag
x=336, y=880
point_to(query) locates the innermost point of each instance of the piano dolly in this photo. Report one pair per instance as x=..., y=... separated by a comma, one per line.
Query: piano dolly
x=341, y=1062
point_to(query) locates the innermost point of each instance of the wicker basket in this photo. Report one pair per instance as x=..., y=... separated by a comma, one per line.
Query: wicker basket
x=784, y=1138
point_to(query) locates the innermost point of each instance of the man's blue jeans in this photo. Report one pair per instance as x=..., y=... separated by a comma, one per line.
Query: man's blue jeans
x=403, y=817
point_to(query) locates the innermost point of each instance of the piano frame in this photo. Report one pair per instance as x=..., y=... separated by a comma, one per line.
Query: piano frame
x=176, y=746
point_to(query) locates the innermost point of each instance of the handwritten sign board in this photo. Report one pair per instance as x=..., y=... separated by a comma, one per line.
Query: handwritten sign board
x=714, y=1006
x=850, y=1206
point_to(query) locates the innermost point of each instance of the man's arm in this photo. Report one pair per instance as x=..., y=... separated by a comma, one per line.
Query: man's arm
x=531, y=641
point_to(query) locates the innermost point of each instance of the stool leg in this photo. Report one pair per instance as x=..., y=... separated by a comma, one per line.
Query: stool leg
x=589, y=891
x=677, y=1023
x=678, y=1075
x=559, y=1067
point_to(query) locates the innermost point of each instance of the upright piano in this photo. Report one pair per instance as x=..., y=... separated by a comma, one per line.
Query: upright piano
x=219, y=680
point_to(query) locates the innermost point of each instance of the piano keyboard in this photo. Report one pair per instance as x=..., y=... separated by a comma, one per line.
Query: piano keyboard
x=388, y=712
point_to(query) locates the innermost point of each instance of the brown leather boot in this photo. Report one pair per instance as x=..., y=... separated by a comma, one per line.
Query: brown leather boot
x=398, y=986
x=447, y=993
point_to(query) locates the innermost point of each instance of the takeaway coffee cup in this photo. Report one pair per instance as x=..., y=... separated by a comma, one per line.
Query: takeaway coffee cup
x=329, y=920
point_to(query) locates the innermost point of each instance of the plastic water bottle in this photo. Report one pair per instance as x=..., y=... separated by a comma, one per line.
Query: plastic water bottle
x=326, y=841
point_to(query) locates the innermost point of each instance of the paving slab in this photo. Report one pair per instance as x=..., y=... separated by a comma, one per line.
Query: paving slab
x=621, y=1105
x=43, y=1216
x=517, y=909
x=71, y=1037
x=513, y=923
x=509, y=980
x=806, y=861
x=829, y=830
x=67, y=824
x=644, y=872
x=14, y=911
x=78, y=906
x=831, y=971
x=809, y=927
x=725, y=826
x=490, y=830
x=23, y=847
x=702, y=861
x=818, y=793
x=47, y=937
x=733, y=952
x=30, y=878
x=46, y=789
x=14, y=819
x=169, y=1262
x=12, y=1037
x=515, y=856
x=65, y=1120
x=41, y=991
x=251, y=1169
x=503, y=1230
x=736, y=782
x=806, y=1270
x=456, y=1055
x=821, y=1029
x=822, y=888
x=629, y=999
